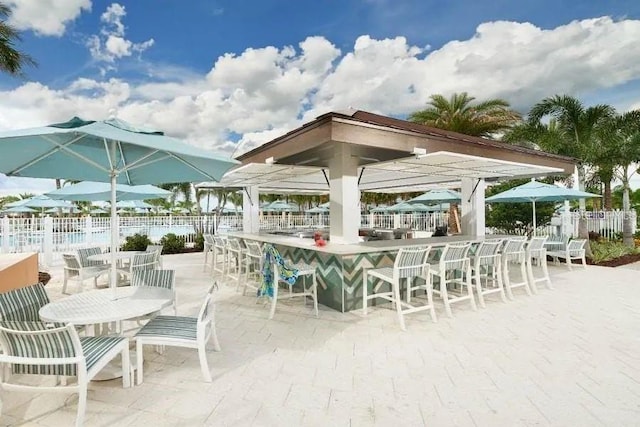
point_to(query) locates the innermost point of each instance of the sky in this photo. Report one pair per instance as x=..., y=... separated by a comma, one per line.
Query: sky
x=230, y=75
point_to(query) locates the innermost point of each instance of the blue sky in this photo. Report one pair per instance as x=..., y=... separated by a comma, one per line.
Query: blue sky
x=219, y=73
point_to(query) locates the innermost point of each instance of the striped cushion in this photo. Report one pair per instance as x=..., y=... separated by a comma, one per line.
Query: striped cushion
x=85, y=253
x=94, y=348
x=53, y=345
x=180, y=327
x=23, y=303
x=410, y=263
x=155, y=278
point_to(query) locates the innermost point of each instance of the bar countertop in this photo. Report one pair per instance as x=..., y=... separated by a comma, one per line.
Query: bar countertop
x=357, y=248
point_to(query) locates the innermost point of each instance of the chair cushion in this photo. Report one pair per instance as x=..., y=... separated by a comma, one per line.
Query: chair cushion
x=180, y=327
x=384, y=272
x=94, y=348
x=23, y=303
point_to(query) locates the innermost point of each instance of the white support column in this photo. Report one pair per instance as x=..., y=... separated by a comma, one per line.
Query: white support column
x=5, y=235
x=344, y=196
x=47, y=242
x=251, y=210
x=473, y=214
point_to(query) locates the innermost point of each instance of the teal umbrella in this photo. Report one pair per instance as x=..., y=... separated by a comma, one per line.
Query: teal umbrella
x=408, y=207
x=71, y=209
x=133, y=204
x=380, y=209
x=99, y=191
x=437, y=196
x=535, y=191
x=18, y=209
x=41, y=202
x=107, y=151
x=280, y=206
x=318, y=210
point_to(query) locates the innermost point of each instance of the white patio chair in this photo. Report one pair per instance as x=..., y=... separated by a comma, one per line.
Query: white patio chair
x=208, y=247
x=305, y=271
x=74, y=271
x=219, y=254
x=536, y=253
x=157, y=249
x=165, y=279
x=141, y=261
x=574, y=250
x=34, y=348
x=23, y=304
x=85, y=253
x=410, y=264
x=253, y=265
x=181, y=331
x=514, y=253
x=486, y=264
x=453, y=267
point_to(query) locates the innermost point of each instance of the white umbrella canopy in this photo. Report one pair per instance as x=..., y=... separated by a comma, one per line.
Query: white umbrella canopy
x=107, y=151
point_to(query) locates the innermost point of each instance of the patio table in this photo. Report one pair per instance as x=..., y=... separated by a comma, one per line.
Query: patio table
x=104, y=306
x=120, y=256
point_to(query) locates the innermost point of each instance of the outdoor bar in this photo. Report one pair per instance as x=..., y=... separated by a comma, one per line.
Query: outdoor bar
x=345, y=153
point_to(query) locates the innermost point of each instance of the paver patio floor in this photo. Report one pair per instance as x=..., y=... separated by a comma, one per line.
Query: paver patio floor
x=565, y=357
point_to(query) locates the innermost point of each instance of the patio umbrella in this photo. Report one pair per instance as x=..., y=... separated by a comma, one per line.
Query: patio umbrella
x=325, y=205
x=107, y=151
x=88, y=191
x=71, y=209
x=133, y=204
x=535, y=191
x=408, y=207
x=280, y=206
x=437, y=196
x=18, y=209
x=97, y=211
x=380, y=209
x=318, y=210
x=41, y=202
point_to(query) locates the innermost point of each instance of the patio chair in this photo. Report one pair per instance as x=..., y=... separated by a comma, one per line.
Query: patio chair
x=85, y=253
x=219, y=254
x=208, y=247
x=276, y=270
x=574, y=250
x=486, y=264
x=253, y=265
x=181, y=331
x=235, y=259
x=158, y=251
x=453, y=267
x=159, y=279
x=141, y=261
x=514, y=253
x=536, y=253
x=73, y=270
x=23, y=304
x=34, y=348
x=410, y=264
x=557, y=243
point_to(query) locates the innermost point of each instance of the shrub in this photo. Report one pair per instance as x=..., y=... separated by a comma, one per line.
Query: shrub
x=608, y=250
x=199, y=242
x=172, y=244
x=594, y=236
x=137, y=242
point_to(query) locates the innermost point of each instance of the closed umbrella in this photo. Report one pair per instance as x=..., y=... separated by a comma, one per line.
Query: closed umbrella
x=535, y=191
x=107, y=151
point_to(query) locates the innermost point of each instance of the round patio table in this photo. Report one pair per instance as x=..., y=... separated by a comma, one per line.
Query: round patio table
x=119, y=256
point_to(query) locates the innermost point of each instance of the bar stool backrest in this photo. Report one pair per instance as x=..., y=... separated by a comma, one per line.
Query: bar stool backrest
x=233, y=244
x=219, y=242
x=455, y=256
x=208, y=239
x=411, y=262
x=536, y=243
x=488, y=252
x=253, y=249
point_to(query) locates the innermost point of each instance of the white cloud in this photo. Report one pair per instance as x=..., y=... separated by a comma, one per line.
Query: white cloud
x=111, y=44
x=46, y=17
x=264, y=92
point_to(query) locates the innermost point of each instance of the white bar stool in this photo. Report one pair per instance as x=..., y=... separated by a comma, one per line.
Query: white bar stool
x=486, y=264
x=235, y=259
x=253, y=265
x=453, y=260
x=514, y=253
x=537, y=252
x=219, y=254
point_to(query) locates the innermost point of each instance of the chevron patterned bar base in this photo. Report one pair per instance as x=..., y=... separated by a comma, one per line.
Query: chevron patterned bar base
x=339, y=276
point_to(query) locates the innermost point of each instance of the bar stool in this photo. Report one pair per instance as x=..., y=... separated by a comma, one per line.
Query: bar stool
x=515, y=253
x=537, y=252
x=487, y=264
x=253, y=260
x=208, y=247
x=275, y=261
x=235, y=258
x=453, y=260
x=219, y=254
x=410, y=264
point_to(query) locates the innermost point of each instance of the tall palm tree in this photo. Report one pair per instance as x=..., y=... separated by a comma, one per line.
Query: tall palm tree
x=12, y=61
x=582, y=130
x=461, y=114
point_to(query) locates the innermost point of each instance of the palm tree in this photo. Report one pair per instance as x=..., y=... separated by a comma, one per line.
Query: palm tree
x=460, y=114
x=12, y=61
x=581, y=130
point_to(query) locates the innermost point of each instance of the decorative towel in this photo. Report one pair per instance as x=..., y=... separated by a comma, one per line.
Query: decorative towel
x=287, y=273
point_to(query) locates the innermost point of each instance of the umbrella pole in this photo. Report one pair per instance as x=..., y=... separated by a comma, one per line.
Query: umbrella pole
x=534, y=218
x=114, y=236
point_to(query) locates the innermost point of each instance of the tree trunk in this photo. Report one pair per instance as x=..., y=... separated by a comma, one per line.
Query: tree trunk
x=627, y=226
x=583, y=231
x=607, y=200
